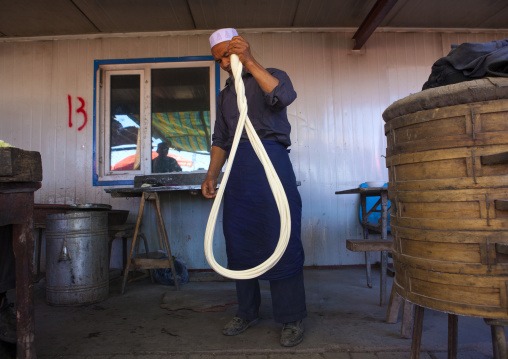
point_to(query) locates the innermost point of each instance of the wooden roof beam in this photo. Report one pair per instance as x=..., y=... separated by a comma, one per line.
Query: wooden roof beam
x=376, y=15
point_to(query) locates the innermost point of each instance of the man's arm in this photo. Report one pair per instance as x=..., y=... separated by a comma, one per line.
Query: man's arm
x=217, y=159
x=240, y=47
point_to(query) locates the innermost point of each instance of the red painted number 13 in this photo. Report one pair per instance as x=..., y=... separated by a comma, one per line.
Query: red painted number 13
x=81, y=110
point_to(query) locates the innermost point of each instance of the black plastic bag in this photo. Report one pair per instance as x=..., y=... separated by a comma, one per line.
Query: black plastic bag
x=164, y=275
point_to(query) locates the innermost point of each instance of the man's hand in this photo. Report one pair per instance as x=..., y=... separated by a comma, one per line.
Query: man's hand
x=240, y=47
x=217, y=159
x=208, y=187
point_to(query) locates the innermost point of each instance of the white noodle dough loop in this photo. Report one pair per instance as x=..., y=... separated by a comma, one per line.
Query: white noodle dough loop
x=273, y=180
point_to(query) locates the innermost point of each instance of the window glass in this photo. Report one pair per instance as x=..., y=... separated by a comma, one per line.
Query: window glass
x=154, y=116
x=180, y=119
x=124, y=105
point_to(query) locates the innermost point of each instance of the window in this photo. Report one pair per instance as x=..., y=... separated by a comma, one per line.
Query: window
x=153, y=116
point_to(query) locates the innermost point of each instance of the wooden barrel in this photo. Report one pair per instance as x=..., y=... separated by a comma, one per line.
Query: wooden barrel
x=447, y=156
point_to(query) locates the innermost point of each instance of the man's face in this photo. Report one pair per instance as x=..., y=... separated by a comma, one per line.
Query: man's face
x=163, y=151
x=221, y=56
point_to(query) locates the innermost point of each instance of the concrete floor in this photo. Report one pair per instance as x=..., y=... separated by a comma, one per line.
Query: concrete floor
x=345, y=321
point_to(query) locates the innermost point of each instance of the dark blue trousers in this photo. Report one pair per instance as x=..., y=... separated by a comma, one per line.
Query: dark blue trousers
x=288, y=299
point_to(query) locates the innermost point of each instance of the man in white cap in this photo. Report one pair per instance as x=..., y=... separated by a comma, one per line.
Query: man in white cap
x=251, y=220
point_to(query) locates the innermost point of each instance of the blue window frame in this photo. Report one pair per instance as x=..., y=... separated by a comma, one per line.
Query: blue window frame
x=152, y=115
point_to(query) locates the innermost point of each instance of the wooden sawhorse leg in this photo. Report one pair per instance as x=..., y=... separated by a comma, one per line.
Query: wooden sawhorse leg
x=392, y=314
x=417, y=334
x=150, y=196
x=384, y=237
x=368, y=269
x=382, y=279
x=499, y=349
x=383, y=221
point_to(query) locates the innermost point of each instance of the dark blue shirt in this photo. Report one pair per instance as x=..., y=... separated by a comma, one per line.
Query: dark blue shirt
x=267, y=111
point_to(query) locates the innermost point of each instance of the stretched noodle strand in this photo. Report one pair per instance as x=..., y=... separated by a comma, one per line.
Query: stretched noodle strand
x=273, y=180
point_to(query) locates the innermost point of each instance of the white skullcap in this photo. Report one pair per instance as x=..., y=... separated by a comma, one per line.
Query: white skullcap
x=222, y=35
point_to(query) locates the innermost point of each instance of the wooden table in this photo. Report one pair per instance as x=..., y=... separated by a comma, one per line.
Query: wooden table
x=150, y=260
x=17, y=199
x=20, y=177
x=381, y=227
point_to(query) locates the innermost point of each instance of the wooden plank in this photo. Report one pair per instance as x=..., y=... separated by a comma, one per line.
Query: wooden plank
x=149, y=263
x=457, y=252
x=417, y=333
x=392, y=314
x=473, y=295
x=444, y=154
x=453, y=331
x=173, y=179
x=362, y=245
x=452, y=168
x=494, y=120
x=439, y=113
x=407, y=319
x=437, y=169
x=374, y=18
x=480, y=295
x=490, y=181
x=447, y=127
x=430, y=131
x=17, y=165
x=478, y=269
x=442, y=210
x=365, y=191
x=450, y=224
x=482, y=139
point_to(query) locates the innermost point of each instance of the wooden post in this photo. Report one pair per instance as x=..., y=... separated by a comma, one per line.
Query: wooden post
x=20, y=176
x=363, y=201
x=23, y=245
x=452, y=335
x=499, y=348
x=384, y=254
x=417, y=333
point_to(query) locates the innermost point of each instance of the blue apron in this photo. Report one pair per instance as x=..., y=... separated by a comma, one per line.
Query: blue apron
x=251, y=218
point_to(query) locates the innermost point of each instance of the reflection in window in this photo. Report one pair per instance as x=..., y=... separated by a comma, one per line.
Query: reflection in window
x=154, y=101
x=180, y=119
x=164, y=163
x=124, y=131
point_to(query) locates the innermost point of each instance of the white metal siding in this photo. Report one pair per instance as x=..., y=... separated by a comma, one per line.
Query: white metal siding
x=337, y=129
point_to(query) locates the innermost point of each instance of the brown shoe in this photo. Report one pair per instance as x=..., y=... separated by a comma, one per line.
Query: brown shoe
x=238, y=325
x=292, y=334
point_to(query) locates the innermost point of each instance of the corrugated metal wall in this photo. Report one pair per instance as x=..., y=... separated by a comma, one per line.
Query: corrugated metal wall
x=337, y=129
